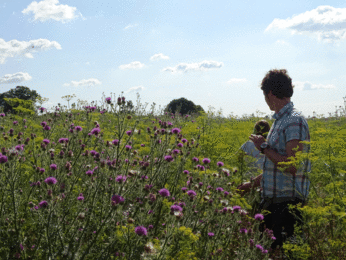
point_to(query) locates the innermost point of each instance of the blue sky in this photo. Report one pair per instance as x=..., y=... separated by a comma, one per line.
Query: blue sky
x=214, y=53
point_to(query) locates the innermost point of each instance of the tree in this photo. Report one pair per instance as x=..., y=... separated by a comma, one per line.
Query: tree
x=184, y=106
x=20, y=92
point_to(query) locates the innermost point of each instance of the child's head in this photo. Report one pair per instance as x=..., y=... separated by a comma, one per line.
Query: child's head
x=262, y=127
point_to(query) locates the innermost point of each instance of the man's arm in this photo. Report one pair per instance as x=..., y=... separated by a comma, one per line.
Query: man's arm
x=246, y=187
x=276, y=157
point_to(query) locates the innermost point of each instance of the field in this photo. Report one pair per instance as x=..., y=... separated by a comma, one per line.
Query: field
x=90, y=183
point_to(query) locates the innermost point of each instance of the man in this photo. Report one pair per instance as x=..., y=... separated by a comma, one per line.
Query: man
x=291, y=186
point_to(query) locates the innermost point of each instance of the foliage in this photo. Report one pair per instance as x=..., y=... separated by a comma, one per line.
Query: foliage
x=108, y=152
x=183, y=106
x=20, y=92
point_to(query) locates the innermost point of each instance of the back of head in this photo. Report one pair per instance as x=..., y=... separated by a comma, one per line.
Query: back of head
x=279, y=82
x=262, y=127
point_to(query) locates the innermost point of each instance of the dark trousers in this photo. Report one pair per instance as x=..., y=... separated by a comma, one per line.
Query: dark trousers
x=280, y=220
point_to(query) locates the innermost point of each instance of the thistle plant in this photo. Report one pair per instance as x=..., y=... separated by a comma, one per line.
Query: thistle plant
x=101, y=183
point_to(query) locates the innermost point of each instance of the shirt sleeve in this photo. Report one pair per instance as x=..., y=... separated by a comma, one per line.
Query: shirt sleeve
x=297, y=128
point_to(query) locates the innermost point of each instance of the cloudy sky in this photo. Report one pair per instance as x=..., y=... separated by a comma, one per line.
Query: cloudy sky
x=214, y=53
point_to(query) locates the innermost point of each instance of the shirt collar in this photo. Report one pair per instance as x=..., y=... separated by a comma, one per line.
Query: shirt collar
x=287, y=107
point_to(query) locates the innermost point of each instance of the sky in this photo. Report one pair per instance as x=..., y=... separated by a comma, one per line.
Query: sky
x=214, y=53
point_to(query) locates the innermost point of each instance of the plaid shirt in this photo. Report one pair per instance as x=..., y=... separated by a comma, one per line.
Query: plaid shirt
x=288, y=125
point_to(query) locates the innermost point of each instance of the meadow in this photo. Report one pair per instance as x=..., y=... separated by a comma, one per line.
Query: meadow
x=100, y=182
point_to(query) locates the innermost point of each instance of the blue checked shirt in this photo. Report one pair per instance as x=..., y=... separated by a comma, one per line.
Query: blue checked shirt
x=289, y=125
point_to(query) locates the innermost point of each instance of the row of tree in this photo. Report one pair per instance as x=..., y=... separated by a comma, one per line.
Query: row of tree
x=22, y=100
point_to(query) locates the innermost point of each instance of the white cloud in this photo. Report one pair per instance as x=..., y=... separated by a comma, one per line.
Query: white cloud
x=130, y=26
x=132, y=65
x=133, y=89
x=50, y=9
x=83, y=82
x=234, y=80
x=303, y=86
x=201, y=66
x=282, y=42
x=15, y=78
x=159, y=56
x=327, y=22
x=21, y=48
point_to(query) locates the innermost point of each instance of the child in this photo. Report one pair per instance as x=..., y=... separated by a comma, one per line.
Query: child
x=262, y=127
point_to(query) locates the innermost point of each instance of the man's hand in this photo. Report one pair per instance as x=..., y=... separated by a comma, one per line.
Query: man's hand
x=244, y=188
x=257, y=140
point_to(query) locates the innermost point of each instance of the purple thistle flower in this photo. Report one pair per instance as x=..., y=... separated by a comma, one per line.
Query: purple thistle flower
x=206, y=160
x=273, y=238
x=120, y=178
x=116, y=199
x=184, y=140
x=142, y=145
x=195, y=159
x=176, y=208
x=176, y=151
x=186, y=172
x=141, y=231
x=150, y=212
x=62, y=140
x=129, y=132
x=220, y=164
x=236, y=208
x=53, y=166
x=169, y=158
x=176, y=130
x=210, y=234
x=43, y=204
x=191, y=193
x=95, y=131
x=259, y=217
x=3, y=159
x=50, y=180
x=151, y=227
x=164, y=193
x=79, y=128
x=89, y=172
x=243, y=230
x=80, y=197
x=47, y=128
x=115, y=142
x=46, y=141
x=128, y=147
x=201, y=167
x=184, y=189
x=219, y=189
x=259, y=247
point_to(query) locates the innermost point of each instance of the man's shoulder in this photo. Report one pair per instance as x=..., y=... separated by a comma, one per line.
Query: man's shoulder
x=294, y=117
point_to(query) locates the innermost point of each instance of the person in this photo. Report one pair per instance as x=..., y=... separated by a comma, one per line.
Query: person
x=262, y=127
x=291, y=185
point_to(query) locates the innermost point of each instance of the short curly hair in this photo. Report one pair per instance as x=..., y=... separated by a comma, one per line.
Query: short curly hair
x=279, y=82
x=262, y=127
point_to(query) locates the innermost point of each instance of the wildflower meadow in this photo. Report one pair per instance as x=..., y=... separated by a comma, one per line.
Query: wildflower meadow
x=101, y=182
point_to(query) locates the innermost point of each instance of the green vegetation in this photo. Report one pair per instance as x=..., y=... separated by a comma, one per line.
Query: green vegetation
x=109, y=183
